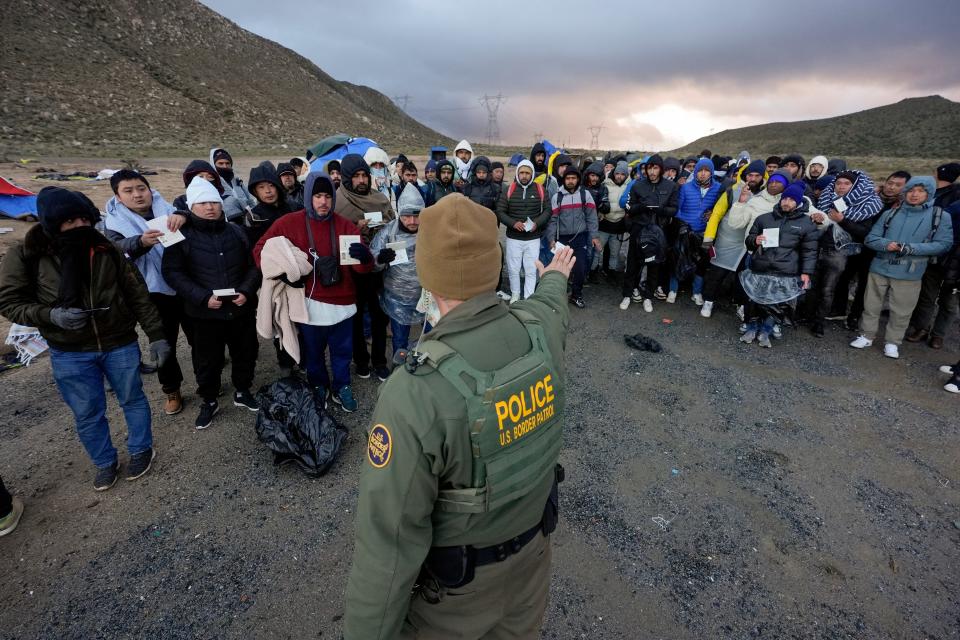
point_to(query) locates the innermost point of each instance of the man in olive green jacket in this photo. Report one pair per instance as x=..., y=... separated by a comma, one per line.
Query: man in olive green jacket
x=458, y=494
x=86, y=299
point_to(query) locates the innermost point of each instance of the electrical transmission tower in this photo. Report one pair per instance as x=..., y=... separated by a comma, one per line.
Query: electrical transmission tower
x=492, y=104
x=595, y=135
x=402, y=102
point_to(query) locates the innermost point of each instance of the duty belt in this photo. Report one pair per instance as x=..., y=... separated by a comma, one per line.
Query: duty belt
x=502, y=551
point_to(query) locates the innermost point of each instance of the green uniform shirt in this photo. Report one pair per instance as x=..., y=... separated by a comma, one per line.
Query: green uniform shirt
x=421, y=432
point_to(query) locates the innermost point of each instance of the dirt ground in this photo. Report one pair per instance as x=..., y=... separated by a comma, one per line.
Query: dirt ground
x=714, y=490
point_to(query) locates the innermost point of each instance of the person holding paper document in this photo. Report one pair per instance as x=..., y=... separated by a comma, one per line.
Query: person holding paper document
x=213, y=271
x=524, y=210
x=330, y=291
x=128, y=224
x=784, y=246
x=71, y=283
x=395, y=247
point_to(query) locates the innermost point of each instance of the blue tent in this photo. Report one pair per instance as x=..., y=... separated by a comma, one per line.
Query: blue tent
x=15, y=202
x=352, y=145
x=550, y=148
x=515, y=160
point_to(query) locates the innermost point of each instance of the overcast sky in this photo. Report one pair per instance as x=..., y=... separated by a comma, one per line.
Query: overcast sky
x=655, y=75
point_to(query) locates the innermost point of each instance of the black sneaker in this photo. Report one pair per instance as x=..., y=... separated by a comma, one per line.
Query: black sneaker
x=246, y=400
x=207, y=411
x=344, y=397
x=817, y=329
x=578, y=302
x=852, y=323
x=320, y=395
x=140, y=463
x=362, y=371
x=106, y=477
x=382, y=373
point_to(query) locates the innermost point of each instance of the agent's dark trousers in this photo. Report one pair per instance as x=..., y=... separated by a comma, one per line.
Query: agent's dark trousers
x=210, y=337
x=368, y=287
x=172, y=318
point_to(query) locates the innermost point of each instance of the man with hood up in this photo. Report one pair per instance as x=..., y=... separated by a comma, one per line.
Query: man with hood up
x=232, y=208
x=463, y=163
x=378, y=163
x=524, y=210
x=271, y=203
x=538, y=157
x=71, y=283
x=443, y=185
x=480, y=187
x=593, y=182
x=330, y=291
x=817, y=168
x=354, y=198
x=905, y=239
x=613, y=223
x=134, y=203
x=222, y=161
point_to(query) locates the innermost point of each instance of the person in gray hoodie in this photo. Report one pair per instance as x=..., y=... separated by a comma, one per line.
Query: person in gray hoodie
x=905, y=238
x=574, y=224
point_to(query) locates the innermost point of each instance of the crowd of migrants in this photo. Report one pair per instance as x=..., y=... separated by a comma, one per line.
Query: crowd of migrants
x=778, y=241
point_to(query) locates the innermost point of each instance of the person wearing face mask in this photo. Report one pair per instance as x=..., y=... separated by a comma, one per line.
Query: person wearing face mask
x=401, y=288
x=354, y=198
x=330, y=291
x=222, y=161
x=459, y=491
x=232, y=208
x=86, y=299
x=378, y=163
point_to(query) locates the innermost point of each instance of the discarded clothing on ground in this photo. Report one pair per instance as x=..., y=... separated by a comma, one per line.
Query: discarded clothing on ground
x=295, y=427
x=641, y=342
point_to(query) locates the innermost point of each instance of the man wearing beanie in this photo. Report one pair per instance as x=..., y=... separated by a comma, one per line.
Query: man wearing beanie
x=86, y=300
x=354, y=198
x=222, y=161
x=331, y=297
x=293, y=188
x=215, y=256
x=459, y=492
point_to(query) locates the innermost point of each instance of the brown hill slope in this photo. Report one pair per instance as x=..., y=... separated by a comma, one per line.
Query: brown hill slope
x=108, y=76
x=914, y=127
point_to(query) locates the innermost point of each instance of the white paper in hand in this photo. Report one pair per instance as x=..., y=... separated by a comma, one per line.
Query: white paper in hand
x=557, y=246
x=169, y=237
x=400, y=248
x=374, y=218
x=345, y=242
x=771, y=238
x=528, y=225
x=225, y=293
x=840, y=205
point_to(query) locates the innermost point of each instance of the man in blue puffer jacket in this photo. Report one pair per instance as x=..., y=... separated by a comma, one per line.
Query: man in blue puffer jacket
x=905, y=238
x=695, y=204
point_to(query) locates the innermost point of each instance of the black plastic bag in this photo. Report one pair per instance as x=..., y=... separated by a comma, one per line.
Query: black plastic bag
x=295, y=427
x=641, y=342
x=685, y=251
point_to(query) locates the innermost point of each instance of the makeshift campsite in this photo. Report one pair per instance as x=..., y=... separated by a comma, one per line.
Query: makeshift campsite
x=15, y=202
x=334, y=148
x=438, y=153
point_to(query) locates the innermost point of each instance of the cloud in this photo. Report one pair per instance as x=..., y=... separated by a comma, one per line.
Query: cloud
x=653, y=74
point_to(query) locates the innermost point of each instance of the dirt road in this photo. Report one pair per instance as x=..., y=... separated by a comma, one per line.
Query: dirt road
x=714, y=490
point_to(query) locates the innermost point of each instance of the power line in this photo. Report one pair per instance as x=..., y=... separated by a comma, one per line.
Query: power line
x=492, y=105
x=595, y=135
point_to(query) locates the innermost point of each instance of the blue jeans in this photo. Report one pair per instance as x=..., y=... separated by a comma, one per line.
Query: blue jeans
x=316, y=340
x=401, y=335
x=79, y=376
x=697, y=284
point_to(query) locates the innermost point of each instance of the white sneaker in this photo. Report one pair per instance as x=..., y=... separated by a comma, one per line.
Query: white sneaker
x=947, y=368
x=514, y=298
x=672, y=297
x=648, y=305
x=659, y=294
x=637, y=296
x=740, y=313
x=625, y=304
x=697, y=299
x=951, y=387
x=891, y=350
x=707, y=310
x=862, y=342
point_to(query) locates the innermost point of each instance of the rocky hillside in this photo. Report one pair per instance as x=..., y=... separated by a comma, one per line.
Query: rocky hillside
x=914, y=127
x=93, y=77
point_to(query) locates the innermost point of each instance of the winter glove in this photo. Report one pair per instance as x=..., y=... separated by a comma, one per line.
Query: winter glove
x=69, y=319
x=386, y=256
x=296, y=285
x=359, y=251
x=160, y=351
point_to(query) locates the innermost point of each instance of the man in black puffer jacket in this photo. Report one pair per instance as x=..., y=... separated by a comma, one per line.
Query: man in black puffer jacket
x=265, y=186
x=216, y=256
x=481, y=188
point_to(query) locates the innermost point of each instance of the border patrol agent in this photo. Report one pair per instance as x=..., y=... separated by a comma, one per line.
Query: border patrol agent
x=459, y=492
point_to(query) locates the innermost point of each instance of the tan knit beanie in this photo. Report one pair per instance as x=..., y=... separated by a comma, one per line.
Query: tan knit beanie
x=458, y=250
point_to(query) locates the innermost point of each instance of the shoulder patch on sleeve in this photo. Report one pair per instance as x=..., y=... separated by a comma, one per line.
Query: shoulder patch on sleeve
x=380, y=446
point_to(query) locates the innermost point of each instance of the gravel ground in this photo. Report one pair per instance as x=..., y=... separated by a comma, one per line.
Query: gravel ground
x=714, y=489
